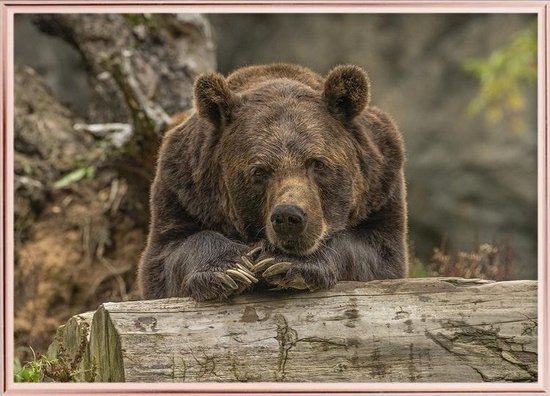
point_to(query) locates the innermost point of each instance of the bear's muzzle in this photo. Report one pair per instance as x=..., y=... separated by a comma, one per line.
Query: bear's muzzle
x=295, y=223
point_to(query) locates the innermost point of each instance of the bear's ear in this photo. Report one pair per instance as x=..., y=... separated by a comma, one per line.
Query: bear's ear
x=346, y=91
x=213, y=99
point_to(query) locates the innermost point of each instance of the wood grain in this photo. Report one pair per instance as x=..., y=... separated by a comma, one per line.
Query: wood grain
x=410, y=330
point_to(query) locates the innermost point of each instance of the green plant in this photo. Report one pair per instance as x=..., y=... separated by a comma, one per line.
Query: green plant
x=74, y=176
x=32, y=371
x=417, y=269
x=503, y=78
x=65, y=367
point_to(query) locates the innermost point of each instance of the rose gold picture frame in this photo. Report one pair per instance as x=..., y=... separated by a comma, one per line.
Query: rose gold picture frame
x=7, y=11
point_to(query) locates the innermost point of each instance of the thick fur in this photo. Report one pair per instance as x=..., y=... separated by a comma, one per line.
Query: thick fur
x=255, y=141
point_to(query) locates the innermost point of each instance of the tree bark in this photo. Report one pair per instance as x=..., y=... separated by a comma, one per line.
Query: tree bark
x=410, y=330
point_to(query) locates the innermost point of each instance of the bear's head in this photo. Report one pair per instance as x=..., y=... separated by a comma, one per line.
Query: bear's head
x=292, y=156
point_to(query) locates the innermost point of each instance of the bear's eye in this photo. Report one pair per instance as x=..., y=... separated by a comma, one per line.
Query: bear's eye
x=317, y=165
x=258, y=174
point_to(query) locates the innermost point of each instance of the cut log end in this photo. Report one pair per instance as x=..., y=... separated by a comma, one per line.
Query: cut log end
x=409, y=330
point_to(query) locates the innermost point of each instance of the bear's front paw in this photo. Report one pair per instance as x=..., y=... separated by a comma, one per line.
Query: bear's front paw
x=296, y=275
x=219, y=284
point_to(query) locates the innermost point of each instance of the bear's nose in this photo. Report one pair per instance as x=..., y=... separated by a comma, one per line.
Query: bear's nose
x=288, y=220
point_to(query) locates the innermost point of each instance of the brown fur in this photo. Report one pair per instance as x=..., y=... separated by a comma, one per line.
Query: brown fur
x=266, y=136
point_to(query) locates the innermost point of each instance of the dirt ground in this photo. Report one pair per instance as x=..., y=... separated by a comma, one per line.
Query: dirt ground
x=82, y=252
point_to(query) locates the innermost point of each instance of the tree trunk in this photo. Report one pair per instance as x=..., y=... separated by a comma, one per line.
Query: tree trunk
x=410, y=330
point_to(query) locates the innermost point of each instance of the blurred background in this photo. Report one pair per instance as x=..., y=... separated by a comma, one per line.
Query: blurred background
x=95, y=92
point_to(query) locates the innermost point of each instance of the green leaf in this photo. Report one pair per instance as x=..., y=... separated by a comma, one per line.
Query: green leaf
x=28, y=373
x=503, y=78
x=74, y=177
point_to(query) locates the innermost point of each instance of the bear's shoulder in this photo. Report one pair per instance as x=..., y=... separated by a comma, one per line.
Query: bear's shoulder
x=252, y=76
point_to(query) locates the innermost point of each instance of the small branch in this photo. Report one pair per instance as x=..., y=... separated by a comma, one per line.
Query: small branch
x=117, y=134
x=147, y=116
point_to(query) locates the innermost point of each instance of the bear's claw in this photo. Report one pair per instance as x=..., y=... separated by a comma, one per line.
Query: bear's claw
x=244, y=272
x=234, y=281
x=277, y=269
x=277, y=275
x=246, y=261
x=252, y=254
x=262, y=264
x=297, y=282
x=226, y=280
x=247, y=272
x=238, y=276
x=273, y=272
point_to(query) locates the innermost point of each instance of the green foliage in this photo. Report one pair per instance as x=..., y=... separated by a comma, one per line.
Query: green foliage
x=39, y=369
x=74, y=176
x=417, y=269
x=63, y=367
x=32, y=371
x=503, y=78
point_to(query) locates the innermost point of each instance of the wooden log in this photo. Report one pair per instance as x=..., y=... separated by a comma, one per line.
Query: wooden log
x=71, y=344
x=409, y=330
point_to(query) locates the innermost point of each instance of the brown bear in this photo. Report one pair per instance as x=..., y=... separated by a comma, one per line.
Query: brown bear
x=280, y=178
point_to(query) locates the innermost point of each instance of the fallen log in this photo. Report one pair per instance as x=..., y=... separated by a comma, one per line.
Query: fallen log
x=409, y=330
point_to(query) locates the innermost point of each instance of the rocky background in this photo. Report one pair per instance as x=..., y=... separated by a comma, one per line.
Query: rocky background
x=95, y=92
x=470, y=181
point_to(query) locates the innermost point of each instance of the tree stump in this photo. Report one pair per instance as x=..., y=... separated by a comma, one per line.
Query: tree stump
x=407, y=330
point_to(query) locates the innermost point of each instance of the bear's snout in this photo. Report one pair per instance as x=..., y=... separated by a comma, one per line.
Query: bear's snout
x=288, y=221
x=295, y=223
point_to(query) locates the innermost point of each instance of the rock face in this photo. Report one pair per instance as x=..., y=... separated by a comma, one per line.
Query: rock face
x=82, y=196
x=469, y=182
